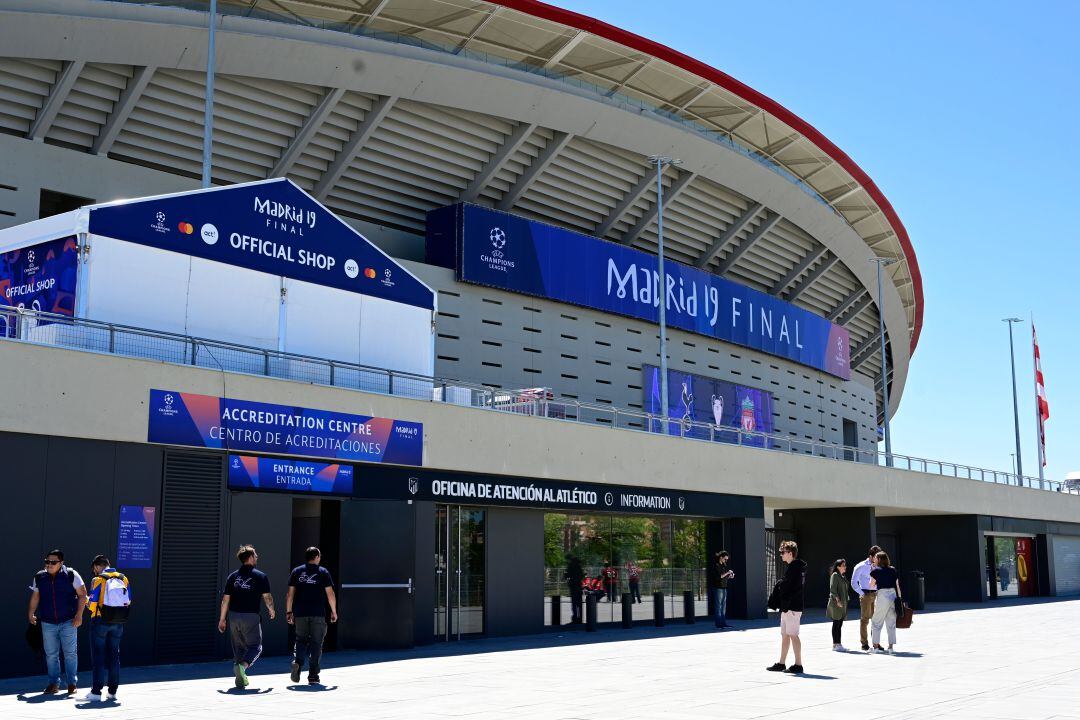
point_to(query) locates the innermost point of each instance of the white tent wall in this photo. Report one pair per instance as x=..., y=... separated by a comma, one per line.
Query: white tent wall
x=135, y=285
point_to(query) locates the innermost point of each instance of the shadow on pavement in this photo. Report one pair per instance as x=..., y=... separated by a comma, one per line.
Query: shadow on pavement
x=565, y=636
x=245, y=691
x=312, y=688
x=40, y=698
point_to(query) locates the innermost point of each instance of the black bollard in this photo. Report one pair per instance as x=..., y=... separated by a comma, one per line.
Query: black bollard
x=556, y=610
x=627, y=610
x=590, y=613
x=658, y=609
x=688, y=607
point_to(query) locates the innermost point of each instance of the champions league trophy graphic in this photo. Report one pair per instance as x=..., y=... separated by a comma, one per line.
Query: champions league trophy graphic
x=748, y=424
x=688, y=405
x=718, y=410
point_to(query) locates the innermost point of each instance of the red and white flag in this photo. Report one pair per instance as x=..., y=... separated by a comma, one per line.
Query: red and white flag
x=1042, y=407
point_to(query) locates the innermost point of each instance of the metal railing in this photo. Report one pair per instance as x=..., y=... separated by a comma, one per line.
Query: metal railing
x=30, y=326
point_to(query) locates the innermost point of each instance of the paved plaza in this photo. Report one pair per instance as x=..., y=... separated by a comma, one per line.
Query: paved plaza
x=1015, y=660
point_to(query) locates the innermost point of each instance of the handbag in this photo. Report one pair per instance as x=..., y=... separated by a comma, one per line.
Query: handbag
x=774, y=597
x=904, y=614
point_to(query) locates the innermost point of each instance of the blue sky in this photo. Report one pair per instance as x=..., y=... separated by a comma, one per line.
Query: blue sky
x=965, y=115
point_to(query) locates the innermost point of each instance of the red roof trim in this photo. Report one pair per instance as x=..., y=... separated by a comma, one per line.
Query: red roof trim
x=655, y=49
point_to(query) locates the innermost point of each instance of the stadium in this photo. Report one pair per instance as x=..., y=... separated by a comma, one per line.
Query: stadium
x=484, y=167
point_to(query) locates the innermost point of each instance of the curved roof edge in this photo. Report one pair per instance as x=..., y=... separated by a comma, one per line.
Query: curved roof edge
x=637, y=42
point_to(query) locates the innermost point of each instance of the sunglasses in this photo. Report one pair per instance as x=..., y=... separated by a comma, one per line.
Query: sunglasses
x=53, y=562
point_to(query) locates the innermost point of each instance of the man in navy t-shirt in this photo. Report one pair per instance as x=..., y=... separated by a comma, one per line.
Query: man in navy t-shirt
x=311, y=591
x=244, y=588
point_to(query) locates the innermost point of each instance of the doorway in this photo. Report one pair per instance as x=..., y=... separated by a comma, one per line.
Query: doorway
x=459, y=571
x=1010, y=566
x=316, y=522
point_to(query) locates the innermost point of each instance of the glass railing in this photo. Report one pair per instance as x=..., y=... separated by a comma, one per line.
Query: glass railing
x=20, y=325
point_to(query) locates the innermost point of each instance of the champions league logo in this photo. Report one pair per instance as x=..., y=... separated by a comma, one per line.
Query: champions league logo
x=167, y=408
x=159, y=223
x=386, y=278
x=31, y=266
x=236, y=463
x=497, y=259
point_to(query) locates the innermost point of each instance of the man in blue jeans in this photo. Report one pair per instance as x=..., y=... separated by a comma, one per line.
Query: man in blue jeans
x=110, y=598
x=722, y=575
x=57, y=603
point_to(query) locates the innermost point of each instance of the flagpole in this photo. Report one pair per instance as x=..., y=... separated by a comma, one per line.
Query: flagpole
x=1039, y=429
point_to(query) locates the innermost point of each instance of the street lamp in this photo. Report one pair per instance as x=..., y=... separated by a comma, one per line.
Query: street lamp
x=880, y=262
x=208, y=108
x=1016, y=411
x=661, y=161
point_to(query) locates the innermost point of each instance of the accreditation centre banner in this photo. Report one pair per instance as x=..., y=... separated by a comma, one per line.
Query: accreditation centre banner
x=178, y=418
x=504, y=251
x=391, y=483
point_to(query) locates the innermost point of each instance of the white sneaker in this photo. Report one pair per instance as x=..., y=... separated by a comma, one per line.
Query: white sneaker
x=839, y=648
x=110, y=696
x=91, y=697
x=890, y=651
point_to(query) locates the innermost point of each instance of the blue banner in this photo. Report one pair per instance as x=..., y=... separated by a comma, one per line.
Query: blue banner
x=135, y=538
x=213, y=422
x=40, y=277
x=722, y=407
x=511, y=253
x=273, y=227
x=247, y=472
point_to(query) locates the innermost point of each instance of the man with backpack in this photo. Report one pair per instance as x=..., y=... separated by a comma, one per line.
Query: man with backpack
x=57, y=603
x=110, y=600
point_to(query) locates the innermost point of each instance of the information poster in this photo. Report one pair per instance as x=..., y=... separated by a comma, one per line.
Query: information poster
x=135, y=544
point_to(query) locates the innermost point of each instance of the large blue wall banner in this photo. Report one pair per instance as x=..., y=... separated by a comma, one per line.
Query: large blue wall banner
x=240, y=425
x=708, y=408
x=247, y=472
x=500, y=250
x=135, y=538
x=273, y=227
x=40, y=277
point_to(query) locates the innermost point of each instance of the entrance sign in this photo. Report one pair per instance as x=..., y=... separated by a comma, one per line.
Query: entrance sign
x=135, y=541
x=247, y=472
x=500, y=250
x=468, y=489
x=213, y=422
x=273, y=227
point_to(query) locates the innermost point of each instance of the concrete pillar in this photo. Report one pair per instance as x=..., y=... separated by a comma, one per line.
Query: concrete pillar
x=825, y=534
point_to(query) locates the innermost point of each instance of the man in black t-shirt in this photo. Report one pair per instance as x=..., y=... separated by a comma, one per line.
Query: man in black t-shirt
x=311, y=591
x=244, y=588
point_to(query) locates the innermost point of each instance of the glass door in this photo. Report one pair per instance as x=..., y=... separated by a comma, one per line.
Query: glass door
x=459, y=571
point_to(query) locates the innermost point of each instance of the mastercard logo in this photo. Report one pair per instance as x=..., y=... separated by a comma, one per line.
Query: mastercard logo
x=186, y=228
x=369, y=273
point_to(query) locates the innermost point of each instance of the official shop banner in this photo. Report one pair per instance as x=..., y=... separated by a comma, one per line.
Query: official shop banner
x=721, y=407
x=225, y=423
x=40, y=277
x=273, y=227
x=247, y=472
x=511, y=253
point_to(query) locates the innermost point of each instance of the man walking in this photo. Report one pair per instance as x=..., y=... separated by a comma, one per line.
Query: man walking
x=722, y=574
x=110, y=599
x=57, y=601
x=240, y=608
x=790, y=600
x=860, y=583
x=311, y=590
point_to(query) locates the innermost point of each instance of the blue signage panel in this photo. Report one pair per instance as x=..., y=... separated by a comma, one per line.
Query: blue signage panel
x=511, y=253
x=213, y=422
x=135, y=541
x=40, y=277
x=273, y=227
x=722, y=407
x=247, y=472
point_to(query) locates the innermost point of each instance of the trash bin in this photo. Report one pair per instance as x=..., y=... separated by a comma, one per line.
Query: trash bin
x=915, y=592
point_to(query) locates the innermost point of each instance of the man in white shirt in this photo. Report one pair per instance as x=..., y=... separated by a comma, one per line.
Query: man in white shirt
x=860, y=583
